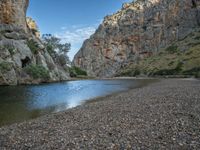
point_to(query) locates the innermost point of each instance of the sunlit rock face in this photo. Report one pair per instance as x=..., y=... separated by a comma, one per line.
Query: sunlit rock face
x=139, y=30
x=13, y=12
x=33, y=26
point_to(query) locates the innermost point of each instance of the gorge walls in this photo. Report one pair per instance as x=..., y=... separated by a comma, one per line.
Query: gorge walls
x=138, y=31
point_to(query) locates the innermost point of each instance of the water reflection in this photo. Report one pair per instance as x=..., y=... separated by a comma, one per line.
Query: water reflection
x=19, y=103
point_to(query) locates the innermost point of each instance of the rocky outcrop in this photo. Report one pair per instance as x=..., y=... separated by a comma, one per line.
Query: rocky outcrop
x=14, y=12
x=139, y=30
x=23, y=57
x=33, y=26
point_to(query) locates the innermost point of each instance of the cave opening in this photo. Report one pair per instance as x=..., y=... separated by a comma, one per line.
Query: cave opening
x=25, y=62
x=194, y=4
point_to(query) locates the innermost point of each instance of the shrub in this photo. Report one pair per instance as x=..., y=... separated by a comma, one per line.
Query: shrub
x=189, y=53
x=197, y=38
x=137, y=72
x=174, y=71
x=37, y=72
x=164, y=72
x=11, y=49
x=62, y=59
x=2, y=32
x=50, y=50
x=125, y=73
x=171, y=63
x=130, y=72
x=72, y=72
x=76, y=71
x=160, y=53
x=172, y=49
x=33, y=46
x=79, y=71
x=197, y=75
x=5, y=66
x=179, y=67
x=51, y=66
x=194, y=71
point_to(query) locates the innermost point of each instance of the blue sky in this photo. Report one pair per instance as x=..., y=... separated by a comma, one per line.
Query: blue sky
x=72, y=20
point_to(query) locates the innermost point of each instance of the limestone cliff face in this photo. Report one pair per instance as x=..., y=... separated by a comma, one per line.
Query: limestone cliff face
x=14, y=12
x=139, y=30
x=33, y=26
x=23, y=57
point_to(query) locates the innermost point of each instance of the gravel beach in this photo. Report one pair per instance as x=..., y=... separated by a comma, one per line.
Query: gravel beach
x=162, y=115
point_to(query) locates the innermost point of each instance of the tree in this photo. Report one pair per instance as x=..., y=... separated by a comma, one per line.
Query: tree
x=56, y=49
x=64, y=48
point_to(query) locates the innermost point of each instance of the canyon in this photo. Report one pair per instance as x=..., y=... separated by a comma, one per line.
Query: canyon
x=140, y=30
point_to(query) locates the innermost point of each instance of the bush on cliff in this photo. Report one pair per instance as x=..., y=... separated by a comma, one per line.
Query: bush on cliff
x=194, y=71
x=33, y=46
x=37, y=72
x=177, y=70
x=5, y=66
x=172, y=49
x=130, y=72
x=75, y=72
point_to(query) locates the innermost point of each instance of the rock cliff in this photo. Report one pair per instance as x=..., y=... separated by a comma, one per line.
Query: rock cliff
x=23, y=57
x=14, y=12
x=32, y=25
x=138, y=31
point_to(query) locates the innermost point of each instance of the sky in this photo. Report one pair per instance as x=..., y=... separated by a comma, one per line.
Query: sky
x=71, y=20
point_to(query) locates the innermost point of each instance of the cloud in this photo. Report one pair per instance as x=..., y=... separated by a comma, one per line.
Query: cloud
x=76, y=35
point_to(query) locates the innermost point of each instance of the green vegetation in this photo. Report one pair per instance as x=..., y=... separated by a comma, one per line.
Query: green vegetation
x=172, y=49
x=197, y=38
x=76, y=72
x=131, y=72
x=2, y=32
x=33, y=46
x=5, y=66
x=194, y=71
x=57, y=49
x=63, y=59
x=177, y=70
x=10, y=48
x=38, y=72
x=197, y=75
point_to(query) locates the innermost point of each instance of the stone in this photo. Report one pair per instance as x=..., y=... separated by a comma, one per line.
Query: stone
x=14, y=12
x=12, y=35
x=139, y=30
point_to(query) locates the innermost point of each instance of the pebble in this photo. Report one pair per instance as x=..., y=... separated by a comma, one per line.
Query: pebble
x=162, y=115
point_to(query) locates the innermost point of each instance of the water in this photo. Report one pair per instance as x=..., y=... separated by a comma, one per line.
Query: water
x=20, y=103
